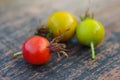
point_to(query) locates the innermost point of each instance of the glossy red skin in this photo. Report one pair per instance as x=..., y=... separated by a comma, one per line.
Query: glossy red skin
x=35, y=50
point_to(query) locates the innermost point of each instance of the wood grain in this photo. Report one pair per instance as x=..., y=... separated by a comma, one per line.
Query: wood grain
x=18, y=17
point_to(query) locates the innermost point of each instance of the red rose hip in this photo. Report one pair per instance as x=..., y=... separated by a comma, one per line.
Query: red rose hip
x=35, y=50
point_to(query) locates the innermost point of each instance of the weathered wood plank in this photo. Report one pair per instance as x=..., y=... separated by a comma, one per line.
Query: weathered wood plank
x=17, y=17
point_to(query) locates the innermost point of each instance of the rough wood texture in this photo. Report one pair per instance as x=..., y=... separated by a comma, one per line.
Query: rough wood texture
x=17, y=17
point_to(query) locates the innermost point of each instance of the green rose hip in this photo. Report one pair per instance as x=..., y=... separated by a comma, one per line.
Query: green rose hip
x=90, y=33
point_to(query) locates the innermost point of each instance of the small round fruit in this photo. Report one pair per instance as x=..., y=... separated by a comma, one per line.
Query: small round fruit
x=90, y=30
x=35, y=50
x=62, y=22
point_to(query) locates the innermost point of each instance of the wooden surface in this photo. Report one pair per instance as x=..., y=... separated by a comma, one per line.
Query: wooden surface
x=17, y=17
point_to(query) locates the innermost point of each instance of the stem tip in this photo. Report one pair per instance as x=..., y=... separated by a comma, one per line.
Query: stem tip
x=17, y=54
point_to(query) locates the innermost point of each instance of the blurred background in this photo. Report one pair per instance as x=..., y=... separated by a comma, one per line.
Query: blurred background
x=18, y=17
x=29, y=14
x=32, y=12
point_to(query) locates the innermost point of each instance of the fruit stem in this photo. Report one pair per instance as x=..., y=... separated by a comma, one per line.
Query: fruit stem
x=17, y=54
x=92, y=50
